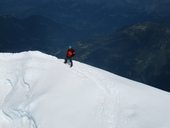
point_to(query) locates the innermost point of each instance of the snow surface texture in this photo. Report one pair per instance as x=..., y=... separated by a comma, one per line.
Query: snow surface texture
x=40, y=91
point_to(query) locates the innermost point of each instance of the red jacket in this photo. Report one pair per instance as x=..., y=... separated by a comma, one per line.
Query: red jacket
x=70, y=52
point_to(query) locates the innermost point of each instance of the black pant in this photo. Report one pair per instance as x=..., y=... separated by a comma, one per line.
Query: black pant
x=68, y=58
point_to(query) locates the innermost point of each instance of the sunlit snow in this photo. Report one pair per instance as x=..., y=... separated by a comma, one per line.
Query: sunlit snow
x=40, y=91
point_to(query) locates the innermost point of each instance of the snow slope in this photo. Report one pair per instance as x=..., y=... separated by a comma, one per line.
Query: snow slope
x=39, y=91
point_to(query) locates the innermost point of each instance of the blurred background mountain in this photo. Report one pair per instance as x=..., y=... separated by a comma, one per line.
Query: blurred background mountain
x=140, y=52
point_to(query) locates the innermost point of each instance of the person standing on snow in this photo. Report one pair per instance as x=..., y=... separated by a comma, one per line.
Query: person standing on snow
x=69, y=55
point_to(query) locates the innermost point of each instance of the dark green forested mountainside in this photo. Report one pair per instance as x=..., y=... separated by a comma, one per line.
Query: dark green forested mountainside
x=140, y=52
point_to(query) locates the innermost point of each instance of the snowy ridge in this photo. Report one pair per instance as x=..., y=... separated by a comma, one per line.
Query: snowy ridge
x=39, y=91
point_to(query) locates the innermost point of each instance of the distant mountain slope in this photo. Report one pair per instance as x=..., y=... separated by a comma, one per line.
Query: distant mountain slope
x=140, y=52
x=40, y=91
x=34, y=32
x=92, y=16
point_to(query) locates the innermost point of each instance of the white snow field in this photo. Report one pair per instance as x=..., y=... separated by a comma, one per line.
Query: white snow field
x=40, y=91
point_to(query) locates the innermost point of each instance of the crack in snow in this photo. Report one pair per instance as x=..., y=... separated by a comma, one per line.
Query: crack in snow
x=15, y=104
x=15, y=111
